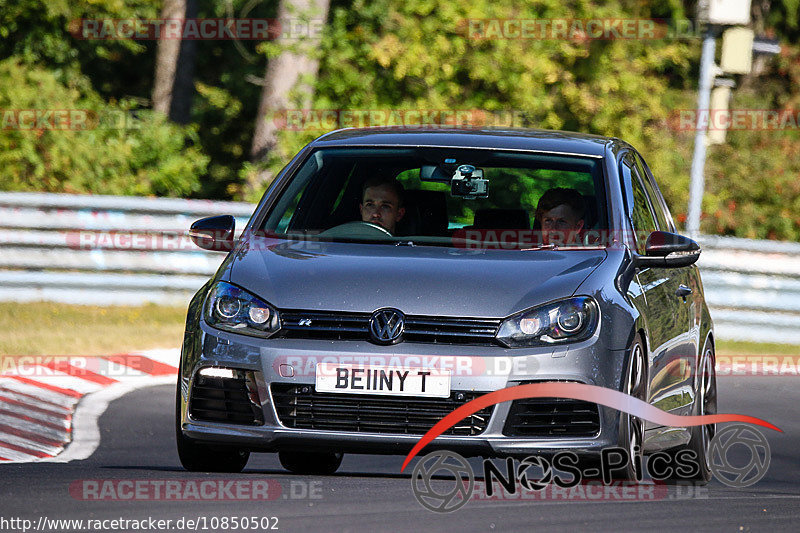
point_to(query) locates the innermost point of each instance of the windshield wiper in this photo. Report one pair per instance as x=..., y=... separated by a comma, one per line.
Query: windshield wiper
x=549, y=246
x=404, y=243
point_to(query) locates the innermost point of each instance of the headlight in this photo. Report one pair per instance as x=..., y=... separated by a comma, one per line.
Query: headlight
x=573, y=319
x=233, y=309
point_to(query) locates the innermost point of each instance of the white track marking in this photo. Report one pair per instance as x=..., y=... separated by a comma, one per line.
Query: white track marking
x=61, y=421
x=15, y=456
x=85, y=431
x=38, y=392
x=54, y=410
x=59, y=435
x=121, y=372
x=29, y=444
x=169, y=356
x=65, y=381
x=85, y=435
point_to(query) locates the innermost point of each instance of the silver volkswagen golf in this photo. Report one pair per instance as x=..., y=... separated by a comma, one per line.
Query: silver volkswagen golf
x=389, y=276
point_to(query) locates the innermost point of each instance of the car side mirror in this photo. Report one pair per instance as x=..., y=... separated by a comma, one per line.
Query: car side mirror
x=214, y=233
x=668, y=250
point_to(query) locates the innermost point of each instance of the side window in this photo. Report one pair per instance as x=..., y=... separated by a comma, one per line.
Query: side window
x=280, y=219
x=283, y=224
x=662, y=215
x=638, y=205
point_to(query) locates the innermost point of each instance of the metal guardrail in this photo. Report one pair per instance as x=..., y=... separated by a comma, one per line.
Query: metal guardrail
x=105, y=250
x=110, y=250
x=752, y=288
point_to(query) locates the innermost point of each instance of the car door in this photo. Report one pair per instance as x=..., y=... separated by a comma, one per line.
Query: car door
x=683, y=286
x=666, y=359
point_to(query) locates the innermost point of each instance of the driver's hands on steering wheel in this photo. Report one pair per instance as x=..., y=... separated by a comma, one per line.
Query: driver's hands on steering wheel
x=357, y=228
x=378, y=226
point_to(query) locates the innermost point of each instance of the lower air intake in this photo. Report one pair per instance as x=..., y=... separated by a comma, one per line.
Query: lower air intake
x=301, y=407
x=222, y=399
x=552, y=417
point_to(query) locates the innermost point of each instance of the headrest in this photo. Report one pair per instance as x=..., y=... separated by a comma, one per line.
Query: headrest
x=502, y=219
x=432, y=208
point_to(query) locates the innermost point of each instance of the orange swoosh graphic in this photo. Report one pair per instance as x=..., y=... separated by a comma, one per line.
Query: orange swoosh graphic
x=577, y=391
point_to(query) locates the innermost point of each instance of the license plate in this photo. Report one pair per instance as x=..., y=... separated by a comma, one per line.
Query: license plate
x=386, y=380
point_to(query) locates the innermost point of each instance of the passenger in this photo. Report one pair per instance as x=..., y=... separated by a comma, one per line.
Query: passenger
x=560, y=216
x=382, y=202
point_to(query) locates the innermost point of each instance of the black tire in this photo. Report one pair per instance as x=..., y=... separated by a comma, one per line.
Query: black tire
x=631, y=428
x=199, y=457
x=705, y=404
x=315, y=463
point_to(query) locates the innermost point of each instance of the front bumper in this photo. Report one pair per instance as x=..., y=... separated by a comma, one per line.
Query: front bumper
x=474, y=368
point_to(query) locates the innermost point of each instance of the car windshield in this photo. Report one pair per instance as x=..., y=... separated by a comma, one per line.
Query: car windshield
x=443, y=197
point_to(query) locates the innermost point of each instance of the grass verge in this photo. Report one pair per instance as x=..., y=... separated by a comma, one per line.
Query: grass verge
x=755, y=348
x=44, y=328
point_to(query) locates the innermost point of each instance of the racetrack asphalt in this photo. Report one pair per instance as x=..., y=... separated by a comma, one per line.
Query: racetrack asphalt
x=370, y=494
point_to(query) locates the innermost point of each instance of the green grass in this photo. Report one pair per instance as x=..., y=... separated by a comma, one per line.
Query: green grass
x=43, y=328
x=755, y=348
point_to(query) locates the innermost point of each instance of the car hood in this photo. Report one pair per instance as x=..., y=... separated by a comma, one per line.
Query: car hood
x=418, y=280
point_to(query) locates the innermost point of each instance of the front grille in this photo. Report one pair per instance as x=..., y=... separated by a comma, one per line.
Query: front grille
x=355, y=326
x=451, y=330
x=552, y=417
x=323, y=325
x=301, y=407
x=229, y=400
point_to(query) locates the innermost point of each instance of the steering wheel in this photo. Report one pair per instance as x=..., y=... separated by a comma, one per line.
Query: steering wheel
x=357, y=228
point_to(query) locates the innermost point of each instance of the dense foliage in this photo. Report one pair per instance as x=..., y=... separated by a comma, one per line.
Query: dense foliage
x=118, y=152
x=390, y=54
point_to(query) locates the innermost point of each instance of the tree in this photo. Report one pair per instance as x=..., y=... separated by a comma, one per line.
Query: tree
x=294, y=69
x=101, y=148
x=173, y=85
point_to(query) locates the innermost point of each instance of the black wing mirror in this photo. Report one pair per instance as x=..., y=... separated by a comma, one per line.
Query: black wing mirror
x=214, y=233
x=668, y=250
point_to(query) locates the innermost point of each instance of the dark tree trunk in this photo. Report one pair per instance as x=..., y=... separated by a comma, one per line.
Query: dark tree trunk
x=173, y=88
x=282, y=76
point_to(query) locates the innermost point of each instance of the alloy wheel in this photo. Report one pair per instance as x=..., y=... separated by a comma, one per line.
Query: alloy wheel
x=708, y=398
x=635, y=387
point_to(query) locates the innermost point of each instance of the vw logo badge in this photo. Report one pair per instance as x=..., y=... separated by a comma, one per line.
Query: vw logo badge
x=386, y=326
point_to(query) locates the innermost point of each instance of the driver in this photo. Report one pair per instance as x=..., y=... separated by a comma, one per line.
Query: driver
x=561, y=214
x=382, y=202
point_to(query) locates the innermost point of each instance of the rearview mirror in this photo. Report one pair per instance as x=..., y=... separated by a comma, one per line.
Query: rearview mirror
x=668, y=250
x=214, y=233
x=435, y=173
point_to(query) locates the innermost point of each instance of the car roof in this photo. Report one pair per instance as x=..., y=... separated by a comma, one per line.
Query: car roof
x=469, y=137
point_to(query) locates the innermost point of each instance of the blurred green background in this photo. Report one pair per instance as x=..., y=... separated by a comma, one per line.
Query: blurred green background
x=392, y=54
x=376, y=55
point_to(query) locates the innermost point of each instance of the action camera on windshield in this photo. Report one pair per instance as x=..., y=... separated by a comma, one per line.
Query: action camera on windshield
x=468, y=183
